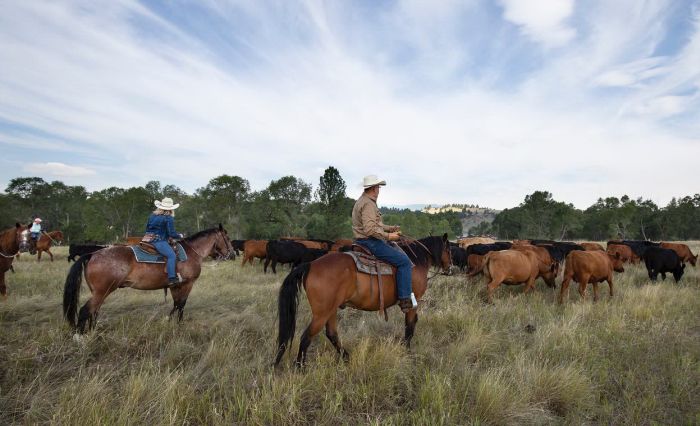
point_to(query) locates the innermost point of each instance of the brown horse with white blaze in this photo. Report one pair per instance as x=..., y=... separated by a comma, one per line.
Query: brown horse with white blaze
x=115, y=267
x=332, y=281
x=12, y=241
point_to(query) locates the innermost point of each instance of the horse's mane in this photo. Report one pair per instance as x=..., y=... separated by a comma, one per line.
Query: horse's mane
x=201, y=234
x=417, y=253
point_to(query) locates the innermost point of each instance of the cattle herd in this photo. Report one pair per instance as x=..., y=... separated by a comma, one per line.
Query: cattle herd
x=501, y=262
x=524, y=261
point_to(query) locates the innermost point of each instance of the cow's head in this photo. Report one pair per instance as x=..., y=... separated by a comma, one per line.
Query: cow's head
x=617, y=262
x=693, y=259
x=678, y=272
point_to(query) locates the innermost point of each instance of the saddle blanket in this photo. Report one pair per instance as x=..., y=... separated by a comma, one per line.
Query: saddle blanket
x=367, y=264
x=145, y=257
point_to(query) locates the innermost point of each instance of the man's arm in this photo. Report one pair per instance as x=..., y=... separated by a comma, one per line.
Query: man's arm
x=371, y=222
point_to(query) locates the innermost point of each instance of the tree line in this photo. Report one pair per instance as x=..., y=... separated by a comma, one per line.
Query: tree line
x=287, y=207
x=540, y=216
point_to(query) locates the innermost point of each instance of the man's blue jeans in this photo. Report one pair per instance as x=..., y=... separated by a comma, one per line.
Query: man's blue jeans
x=164, y=248
x=396, y=257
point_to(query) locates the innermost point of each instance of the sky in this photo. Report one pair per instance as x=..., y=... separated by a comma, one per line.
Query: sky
x=449, y=101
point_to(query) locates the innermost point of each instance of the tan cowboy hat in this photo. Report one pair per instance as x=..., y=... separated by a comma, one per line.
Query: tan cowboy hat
x=372, y=180
x=166, y=204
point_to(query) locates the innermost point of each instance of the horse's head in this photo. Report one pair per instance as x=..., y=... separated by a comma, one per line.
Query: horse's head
x=446, y=255
x=223, y=247
x=58, y=237
x=22, y=237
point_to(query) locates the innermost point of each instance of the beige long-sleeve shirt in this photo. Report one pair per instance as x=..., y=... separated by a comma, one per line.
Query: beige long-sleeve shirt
x=367, y=220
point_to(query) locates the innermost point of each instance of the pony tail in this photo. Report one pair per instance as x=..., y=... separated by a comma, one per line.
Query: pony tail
x=287, y=304
x=71, y=290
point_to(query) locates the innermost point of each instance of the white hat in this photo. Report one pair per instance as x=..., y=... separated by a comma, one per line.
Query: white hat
x=372, y=180
x=37, y=220
x=166, y=204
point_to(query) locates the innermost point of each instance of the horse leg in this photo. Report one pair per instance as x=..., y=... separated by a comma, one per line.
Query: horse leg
x=410, y=320
x=311, y=331
x=50, y=254
x=88, y=313
x=332, y=335
x=3, y=289
x=38, y=255
x=180, y=299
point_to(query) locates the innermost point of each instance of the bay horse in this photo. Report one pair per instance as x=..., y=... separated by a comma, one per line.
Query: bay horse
x=11, y=242
x=45, y=241
x=115, y=267
x=332, y=282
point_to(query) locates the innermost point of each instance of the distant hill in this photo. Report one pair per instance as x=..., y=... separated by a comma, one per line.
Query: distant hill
x=470, y=214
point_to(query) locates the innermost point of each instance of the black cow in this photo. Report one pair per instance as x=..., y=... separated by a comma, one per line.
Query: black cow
x=639, y=247
x=312, y=254
x=82, y=249
x=660, y=261
x=459, y=257
x=237, y=246
x=482, y=249
x=288, y=251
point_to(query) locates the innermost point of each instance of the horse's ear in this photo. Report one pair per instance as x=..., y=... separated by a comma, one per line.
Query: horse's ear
x=221, y=228
x=17, y=225
x=444, y=237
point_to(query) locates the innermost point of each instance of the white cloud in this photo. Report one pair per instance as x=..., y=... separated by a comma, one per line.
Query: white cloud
x=58, y=170
x=543, y=20
x=172, y=108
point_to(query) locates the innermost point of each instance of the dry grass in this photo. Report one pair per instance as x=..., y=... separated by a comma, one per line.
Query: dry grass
x=630, y=360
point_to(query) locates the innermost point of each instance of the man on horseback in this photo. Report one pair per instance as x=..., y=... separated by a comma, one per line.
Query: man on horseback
x=371, y=233
x=159, y=229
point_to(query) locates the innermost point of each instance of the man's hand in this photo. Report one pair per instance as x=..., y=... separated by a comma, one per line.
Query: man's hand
x=395, y=229
x=394, y=236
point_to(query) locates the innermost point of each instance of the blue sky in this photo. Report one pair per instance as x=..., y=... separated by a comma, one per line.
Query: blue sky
x=451, y=101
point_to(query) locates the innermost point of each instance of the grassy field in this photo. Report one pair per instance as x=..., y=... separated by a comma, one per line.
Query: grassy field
x=634, y=359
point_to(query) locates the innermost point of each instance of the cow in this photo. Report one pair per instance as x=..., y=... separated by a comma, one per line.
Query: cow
x=77, y=250
x=548, y=267
x=511, y=267
x=459, y=257
x=592, y=246
x=638, y=247
x=289, y=252
x=475, y=254
x=466, y=242
x=682, y=250
x=238, y=246
x=592, y=267
x=339, y=244
x=254, y=249
x=660, y=260
x=624, y=251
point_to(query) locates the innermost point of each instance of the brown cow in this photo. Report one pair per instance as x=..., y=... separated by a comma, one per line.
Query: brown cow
x=592, y=246
x=466, y=242
x=624, y=252
x=548, y=268
x=589, y=267
x=475, y=265
x=313, y=244
x=343, y=242
x=253, y=249
x=510, y=267
x=682, y=250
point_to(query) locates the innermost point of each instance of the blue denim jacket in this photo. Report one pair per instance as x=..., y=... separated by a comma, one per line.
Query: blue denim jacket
x=163, y=226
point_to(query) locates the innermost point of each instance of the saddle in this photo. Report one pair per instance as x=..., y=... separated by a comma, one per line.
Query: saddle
x=151, y=249
x=367, y=263
x=146, y=253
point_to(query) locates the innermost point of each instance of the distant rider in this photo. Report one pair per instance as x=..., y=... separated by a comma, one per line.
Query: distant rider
x=35, y=232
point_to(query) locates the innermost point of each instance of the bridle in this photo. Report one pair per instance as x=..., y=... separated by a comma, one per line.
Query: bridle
x=218, y=235
x=407, y=240
x=22, y=237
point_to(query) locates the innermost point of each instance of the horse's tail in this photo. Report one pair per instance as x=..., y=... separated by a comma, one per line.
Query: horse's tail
x=71, y=291
x=287, y=305
x=485, y=266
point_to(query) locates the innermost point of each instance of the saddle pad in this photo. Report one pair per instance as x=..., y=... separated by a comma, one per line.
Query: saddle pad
x=367, y=264
x=145, y=257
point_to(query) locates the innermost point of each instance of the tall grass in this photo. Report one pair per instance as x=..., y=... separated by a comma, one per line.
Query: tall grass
x=634, y=359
